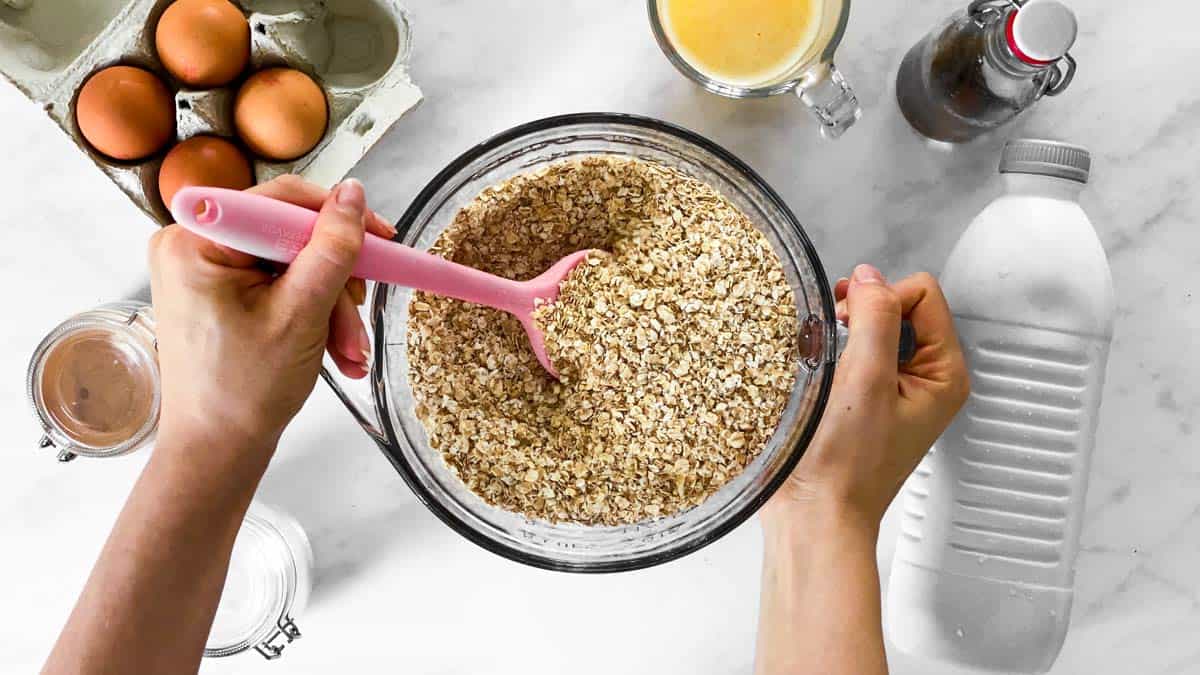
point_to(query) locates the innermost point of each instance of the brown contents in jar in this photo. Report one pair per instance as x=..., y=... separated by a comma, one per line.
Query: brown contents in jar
x=98, y=391
x=678, y=350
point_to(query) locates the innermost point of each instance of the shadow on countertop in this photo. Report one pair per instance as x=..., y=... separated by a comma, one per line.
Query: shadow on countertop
x=353, y=505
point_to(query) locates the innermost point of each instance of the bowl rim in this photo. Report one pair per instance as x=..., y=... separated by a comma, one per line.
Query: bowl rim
x=642, y=561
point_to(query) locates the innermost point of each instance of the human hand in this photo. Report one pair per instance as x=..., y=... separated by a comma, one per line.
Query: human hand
x=880, y=420
x=239, y=346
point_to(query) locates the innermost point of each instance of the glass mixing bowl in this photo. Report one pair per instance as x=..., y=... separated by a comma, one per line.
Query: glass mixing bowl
x=386, y=409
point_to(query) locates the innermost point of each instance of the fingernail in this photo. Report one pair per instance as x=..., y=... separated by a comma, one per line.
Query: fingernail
x=350, y=194
x=364, y=345
x=841, y=279
x=384, y=225
x=358, y=291
x=866, y=274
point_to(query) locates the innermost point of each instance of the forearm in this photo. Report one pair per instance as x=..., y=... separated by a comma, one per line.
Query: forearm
x=820, y=607
x=149, y=603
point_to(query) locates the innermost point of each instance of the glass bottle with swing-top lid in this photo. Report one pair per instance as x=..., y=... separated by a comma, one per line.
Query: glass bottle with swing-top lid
x=982, y=67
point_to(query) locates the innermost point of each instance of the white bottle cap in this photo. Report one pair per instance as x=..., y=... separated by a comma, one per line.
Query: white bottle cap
x=1042, y=31
x=1046, y=158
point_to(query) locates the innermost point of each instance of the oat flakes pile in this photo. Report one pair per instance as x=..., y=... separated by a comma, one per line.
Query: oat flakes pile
x=678, y=351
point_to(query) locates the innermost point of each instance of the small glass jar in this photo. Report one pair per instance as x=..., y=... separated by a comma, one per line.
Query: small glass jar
x=267, y=586
x=94, y=382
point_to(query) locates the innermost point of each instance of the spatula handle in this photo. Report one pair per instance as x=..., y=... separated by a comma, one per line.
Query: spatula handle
x=278, y=231
x=263, y=227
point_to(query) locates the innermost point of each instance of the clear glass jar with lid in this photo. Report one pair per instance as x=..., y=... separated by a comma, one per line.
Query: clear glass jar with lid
x=267, y=587
x=94, y=382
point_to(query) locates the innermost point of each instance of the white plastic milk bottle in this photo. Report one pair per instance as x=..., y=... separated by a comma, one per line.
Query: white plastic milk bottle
x=990, y=521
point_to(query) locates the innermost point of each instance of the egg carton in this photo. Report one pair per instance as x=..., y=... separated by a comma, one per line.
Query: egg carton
x=356, y=50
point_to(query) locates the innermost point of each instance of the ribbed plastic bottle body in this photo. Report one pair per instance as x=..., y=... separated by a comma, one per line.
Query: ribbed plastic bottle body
x=990, y=526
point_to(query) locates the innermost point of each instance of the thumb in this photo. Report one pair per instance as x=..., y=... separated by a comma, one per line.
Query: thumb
x=320, y=271
x=875, y=312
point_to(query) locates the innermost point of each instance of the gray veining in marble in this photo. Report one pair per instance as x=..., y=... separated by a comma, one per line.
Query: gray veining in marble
x=397, y=591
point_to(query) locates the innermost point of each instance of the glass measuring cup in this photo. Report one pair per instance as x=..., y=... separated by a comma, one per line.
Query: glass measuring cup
x=812, y=76
x=384, y=406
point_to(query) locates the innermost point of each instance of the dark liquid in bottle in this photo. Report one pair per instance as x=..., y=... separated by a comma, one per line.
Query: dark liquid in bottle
x=942, y=90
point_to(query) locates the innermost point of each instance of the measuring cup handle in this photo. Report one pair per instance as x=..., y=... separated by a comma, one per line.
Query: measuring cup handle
x=908, y=341
x=825, y=91
x=358, y=395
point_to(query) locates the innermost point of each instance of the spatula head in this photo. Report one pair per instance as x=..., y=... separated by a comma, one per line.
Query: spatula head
x=544, y=290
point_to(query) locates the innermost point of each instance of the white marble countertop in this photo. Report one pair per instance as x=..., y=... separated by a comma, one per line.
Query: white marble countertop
x=398, y=591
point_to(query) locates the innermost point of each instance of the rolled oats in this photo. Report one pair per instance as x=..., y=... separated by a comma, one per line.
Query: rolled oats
x=677, y=349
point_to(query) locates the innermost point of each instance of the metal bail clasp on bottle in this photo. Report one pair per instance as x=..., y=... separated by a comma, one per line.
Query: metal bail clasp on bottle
x=1059, y=76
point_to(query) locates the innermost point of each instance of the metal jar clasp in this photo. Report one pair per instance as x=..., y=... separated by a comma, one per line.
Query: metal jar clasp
x=285, y=628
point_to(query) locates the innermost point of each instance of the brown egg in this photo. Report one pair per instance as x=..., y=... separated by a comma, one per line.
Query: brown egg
x=125, y=112
x=280, y=113
x=203, y=160
x=204, y=43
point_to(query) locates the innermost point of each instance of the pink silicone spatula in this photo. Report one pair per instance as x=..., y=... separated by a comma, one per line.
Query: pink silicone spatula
x=275, y=230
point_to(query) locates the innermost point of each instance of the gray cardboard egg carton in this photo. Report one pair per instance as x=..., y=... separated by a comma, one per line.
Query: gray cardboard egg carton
x=357, y=50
